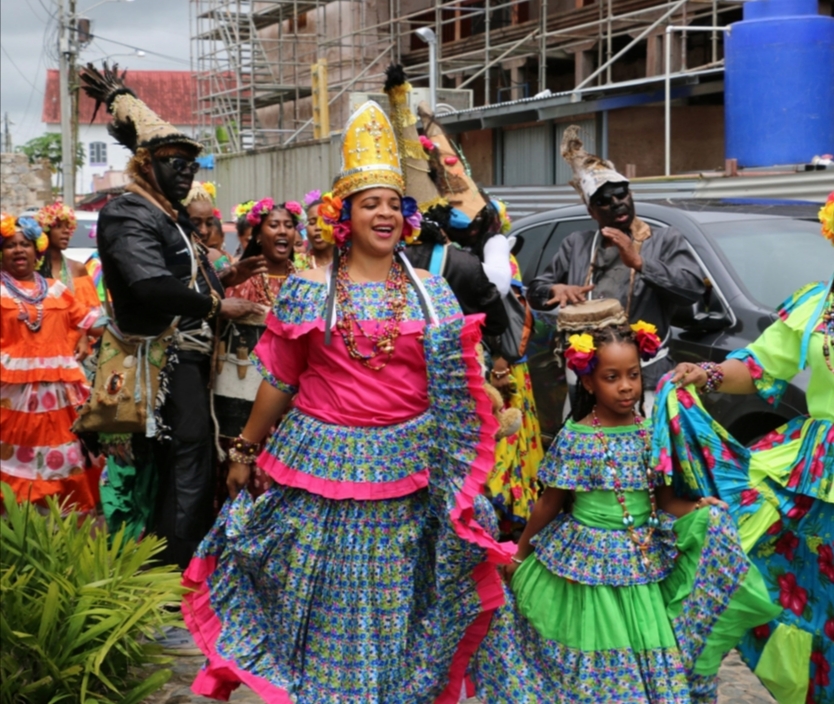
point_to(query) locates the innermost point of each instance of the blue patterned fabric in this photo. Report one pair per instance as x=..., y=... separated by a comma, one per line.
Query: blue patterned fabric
x=375, y=454
x=270, y=378
x=576, y=459
x=778, y=494
x=302, y=301
x=596, y=556
x=380, y=601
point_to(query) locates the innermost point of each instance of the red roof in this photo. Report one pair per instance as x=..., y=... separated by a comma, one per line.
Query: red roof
x=171, y=94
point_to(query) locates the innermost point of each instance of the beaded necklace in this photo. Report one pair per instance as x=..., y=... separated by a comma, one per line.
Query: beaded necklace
x=21, y=296
x=828, y=332
x=268, y=296
x=628, y=520
x=396, y=299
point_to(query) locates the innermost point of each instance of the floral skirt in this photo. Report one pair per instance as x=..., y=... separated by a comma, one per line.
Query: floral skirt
x=512, y=486
x=318, y=601
x=40, y=456
x=561, y=641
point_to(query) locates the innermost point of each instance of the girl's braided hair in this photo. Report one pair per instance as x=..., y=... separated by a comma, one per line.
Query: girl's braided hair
x=585, y=400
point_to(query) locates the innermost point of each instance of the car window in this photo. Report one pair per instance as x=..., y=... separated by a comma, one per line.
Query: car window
x=534, y=239
x=563, y=229
x=773, y=258
x=84, y=235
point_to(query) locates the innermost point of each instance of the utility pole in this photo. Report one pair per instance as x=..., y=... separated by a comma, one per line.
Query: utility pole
x=7, y=136
x=67, y=43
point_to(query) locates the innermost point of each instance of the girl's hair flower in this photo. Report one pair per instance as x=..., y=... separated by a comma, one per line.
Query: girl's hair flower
x=647, y=338
x=412, y=220
x=218, y=214
x=331, y=207
x=211, y=189
x=581, y=354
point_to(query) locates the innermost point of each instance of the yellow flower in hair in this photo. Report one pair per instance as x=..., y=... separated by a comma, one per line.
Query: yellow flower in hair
x=643, y=326
x=583, y=343
x=42, y=243
x=211, y=189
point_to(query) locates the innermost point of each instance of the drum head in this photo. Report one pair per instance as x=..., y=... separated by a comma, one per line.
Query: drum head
x=591, y=314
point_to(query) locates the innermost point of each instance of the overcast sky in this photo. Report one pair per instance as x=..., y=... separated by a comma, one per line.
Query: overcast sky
x=28, y=35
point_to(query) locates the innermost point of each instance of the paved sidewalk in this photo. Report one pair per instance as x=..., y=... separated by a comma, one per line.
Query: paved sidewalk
x=738, y=686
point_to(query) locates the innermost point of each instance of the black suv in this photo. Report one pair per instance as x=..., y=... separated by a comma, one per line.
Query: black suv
x=751, y=261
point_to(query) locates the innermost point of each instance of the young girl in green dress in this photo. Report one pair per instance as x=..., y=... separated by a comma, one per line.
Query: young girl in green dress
x=624, y=592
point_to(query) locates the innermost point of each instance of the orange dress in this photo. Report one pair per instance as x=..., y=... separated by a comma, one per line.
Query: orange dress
x=41, y=384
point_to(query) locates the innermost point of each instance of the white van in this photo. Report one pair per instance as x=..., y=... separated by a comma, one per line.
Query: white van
x=83, y=242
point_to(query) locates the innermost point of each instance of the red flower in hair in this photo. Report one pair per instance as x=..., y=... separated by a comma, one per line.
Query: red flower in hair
x=647, y=339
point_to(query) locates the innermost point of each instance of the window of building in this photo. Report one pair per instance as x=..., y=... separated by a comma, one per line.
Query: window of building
x=98, y=154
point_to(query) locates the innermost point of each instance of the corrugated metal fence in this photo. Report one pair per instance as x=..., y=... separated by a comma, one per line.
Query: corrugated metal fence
x=282, y=174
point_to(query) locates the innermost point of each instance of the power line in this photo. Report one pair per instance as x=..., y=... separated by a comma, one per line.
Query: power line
x=139, y=48
x=22, y=75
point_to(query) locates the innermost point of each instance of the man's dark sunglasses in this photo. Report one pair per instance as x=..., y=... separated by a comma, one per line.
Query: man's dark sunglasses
x=603, y=200
x=181, y=165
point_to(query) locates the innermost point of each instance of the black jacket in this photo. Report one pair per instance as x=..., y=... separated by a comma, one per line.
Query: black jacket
x=147, y=267
x=465, y=276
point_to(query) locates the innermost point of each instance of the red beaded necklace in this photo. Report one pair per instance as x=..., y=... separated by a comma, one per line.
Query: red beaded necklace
x=396, y=300
x=628, y=520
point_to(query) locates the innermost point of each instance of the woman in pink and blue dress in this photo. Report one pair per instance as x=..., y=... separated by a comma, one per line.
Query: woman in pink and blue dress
x=366, y=573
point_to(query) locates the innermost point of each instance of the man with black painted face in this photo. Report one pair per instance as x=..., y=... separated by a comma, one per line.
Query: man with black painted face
x=157, y=278
x=650, y=270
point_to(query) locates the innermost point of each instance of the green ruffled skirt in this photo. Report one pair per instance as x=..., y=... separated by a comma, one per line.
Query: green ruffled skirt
x=590, y=623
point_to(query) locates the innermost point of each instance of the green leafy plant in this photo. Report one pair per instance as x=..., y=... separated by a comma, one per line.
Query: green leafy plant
x=48, y=147
x=78, y=616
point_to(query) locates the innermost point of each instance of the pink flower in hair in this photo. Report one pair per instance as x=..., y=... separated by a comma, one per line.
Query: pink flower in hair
x=294, y=208
x=312, y=197
x=259, y=210
x=341, y=233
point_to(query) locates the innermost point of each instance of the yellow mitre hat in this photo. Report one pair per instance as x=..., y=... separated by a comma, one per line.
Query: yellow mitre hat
x=370, y=158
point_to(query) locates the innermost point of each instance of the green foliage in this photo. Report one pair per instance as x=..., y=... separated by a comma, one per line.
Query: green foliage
x=78, y=617
x=48, y=146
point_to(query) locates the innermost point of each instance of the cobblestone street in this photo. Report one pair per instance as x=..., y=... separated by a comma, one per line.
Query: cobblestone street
x=738, y=686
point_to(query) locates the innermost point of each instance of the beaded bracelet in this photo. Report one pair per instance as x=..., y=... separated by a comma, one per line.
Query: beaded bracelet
x=243, y=451
x=715, y=377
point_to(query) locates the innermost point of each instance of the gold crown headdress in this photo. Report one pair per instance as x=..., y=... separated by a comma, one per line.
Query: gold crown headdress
x=134, y=125
x=370, y=158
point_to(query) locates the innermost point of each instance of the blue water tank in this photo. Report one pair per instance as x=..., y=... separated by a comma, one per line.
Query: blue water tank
x=779, y=84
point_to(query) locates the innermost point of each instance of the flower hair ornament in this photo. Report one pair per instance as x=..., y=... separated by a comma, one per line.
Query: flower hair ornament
x=826, y=216
x=294, y=208
x=503, y=217
x=311, y=197
x=648, y=341
x=47, y=216
x=29, y=227
x=241, y=210
x=581, y=354
x=260, y=210
x=334, y=216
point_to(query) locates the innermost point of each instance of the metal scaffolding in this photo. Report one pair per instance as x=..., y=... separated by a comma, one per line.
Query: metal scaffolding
x=252, y=59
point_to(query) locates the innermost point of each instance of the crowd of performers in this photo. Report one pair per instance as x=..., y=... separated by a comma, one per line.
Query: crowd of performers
x=343, y=451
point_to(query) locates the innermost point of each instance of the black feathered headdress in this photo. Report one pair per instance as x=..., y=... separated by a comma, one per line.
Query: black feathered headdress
x=134, y=124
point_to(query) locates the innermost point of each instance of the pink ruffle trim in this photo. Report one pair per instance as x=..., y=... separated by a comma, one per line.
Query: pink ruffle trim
x=222, y=676
x=340, y=490
x=292, y=331
x=462, y=515
x=488, y=584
